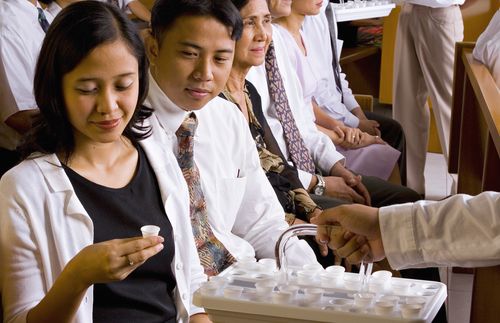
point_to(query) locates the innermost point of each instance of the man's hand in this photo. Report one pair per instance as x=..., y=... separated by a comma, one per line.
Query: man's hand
x=369, y=126
x=353, y=181
x=357, y=220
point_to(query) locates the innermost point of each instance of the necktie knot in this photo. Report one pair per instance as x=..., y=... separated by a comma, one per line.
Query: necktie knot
x=188, y=126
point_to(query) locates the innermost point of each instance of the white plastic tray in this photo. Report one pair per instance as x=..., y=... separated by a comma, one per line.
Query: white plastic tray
x=362, y=10
x=249, y=308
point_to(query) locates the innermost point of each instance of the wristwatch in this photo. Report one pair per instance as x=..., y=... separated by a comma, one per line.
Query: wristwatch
x=319, y=188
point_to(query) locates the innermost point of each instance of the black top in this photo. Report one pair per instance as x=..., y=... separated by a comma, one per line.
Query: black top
x=146, y=295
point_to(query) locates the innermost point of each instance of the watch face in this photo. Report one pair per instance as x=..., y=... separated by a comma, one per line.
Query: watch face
x=319, y=190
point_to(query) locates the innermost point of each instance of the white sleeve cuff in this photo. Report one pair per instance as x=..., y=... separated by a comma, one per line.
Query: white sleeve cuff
x=398, y=235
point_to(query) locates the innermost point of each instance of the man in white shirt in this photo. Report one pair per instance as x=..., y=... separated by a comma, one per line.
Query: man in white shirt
x=487, y=49
x=423, y=67
x=191, y=50
x=460, y=231
x=338, y=182
x=21, y=37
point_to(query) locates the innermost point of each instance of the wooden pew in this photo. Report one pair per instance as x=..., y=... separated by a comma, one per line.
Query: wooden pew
x=475, y=156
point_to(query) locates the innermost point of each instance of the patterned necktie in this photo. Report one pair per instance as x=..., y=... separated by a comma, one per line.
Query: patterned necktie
x=42, y=20
x=294, y=142
x=213, y=255
x=333, y=43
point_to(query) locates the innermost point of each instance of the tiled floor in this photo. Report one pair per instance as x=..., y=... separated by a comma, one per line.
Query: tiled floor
x=438, y=185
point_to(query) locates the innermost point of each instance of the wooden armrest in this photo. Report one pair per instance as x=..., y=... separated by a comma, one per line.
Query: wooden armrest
x=365, y=101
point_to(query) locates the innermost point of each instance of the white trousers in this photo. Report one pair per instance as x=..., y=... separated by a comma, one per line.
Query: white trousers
x=423, y=67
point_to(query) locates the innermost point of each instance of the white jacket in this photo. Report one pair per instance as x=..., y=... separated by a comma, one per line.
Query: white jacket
x=43, y=226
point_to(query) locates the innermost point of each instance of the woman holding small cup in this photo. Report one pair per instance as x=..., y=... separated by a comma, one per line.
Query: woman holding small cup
x=70, y=213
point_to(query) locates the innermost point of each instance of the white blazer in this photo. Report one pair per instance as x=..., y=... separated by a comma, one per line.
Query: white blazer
x=43, y=226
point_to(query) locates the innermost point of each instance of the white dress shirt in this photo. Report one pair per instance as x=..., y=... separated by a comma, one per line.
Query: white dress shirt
x=243, y=210
x=316, y=35
x=21, y=38
x=435, y=3
x=43, y=225
x=459, y=231
x=319, y=145
x=53, y=8
x=487, y=49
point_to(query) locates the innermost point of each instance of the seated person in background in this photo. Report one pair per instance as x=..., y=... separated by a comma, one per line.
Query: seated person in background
x=299, y=139
x=460, y=231
x=71, y=212
x=55, y=6
x=134, y=7
x=250, y=50
x=487, y=49
x=365, y=154
x=22, y=29
x=235, y=213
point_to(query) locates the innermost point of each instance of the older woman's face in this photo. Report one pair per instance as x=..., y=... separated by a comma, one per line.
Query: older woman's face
x=280, y=8
x=307, y=7
x=257, y=33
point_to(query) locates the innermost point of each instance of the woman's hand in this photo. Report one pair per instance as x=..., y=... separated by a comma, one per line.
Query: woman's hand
x=367, y=140
x=112, y=260
x=199, y=318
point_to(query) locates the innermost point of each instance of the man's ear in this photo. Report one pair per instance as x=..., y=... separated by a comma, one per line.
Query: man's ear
x=152, y=47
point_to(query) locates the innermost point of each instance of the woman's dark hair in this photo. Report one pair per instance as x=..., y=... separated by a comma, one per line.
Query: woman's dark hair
x=239, y=4
x=165, y=12
x=74, y=33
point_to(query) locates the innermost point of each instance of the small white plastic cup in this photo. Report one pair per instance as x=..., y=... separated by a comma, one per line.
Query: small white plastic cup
x=391, y=299
x=340, y=304
x=400, y=287
x=384, y=308
x=313, y=267
x=410, y=310
x=306, y=277
x=265, y=288
x=292, y=289
x=335, y=270
x=311, y=296
x=377, y=285
x=210, y=288
x=150, y=231
x=352, y=281
x=382, y=275
x=282, y=297
x=331, y=280
x=416, y=300
x=267, y=264
x=364, y=299
x=233, y=292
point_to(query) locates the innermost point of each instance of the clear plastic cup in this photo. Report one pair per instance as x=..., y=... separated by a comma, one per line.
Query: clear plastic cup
x=150, y=231
x=384, y=308
x=306, y=277
x=410, y=310
x=352, y=281
x=341, y=303
x=282, y=297
x=267, y=264
x=265, y=288
x=382, y=275
x=364, y=299
x=311, y=296
x=233, y=291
